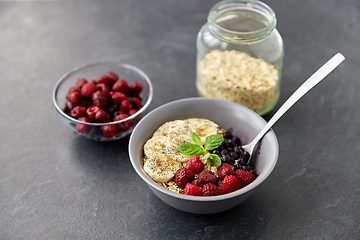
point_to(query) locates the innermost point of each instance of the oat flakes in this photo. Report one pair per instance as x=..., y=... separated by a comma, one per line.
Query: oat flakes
x=238, y=77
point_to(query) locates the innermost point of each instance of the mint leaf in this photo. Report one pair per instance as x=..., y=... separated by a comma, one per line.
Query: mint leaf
x=215, y=160
x=213, y=141
x=196, y=138
x=190, y=149
x=206, y=156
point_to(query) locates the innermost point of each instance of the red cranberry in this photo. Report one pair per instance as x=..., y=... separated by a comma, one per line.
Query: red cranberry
x=109, y=130
x=124, y=125
x=133, y=111
x=91, y=111
x=100, y=99
x=80, y=82
x=73, y=89
x=78, y=111
x=103, y=79
x=70, y=106
x=75, y=98
x=121, y=86
x=66, y=109
x=102, y=116
x=136, y=102
x=125, y=106
x=135, y=88
x=112, y=76
x=88, y=89
x=117, y=97
x=85, y=103
x=103, y=87
x=83, y=128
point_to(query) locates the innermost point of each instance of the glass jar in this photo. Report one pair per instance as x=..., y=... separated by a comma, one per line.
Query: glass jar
x=240, y=55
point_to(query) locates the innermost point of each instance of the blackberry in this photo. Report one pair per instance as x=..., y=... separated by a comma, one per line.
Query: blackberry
x=242, y=161
x=234, y=155
x=216, y=151
x=227, y=135
x=224, y=152
x=236, y=141
x=246, y=168
x=237, y=166
x=238, y=149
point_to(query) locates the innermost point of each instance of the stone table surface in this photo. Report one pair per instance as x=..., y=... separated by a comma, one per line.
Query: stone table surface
x=57, y=185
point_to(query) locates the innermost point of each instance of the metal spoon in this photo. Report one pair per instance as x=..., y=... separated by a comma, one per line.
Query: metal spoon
x=319, y=75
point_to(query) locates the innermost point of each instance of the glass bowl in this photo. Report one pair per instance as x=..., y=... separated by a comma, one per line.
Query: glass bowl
x=95, y=130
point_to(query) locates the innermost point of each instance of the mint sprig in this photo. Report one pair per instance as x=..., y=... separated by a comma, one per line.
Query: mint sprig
x=196, y=148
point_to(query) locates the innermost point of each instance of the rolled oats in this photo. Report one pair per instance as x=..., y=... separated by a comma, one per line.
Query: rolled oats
x=238, y=77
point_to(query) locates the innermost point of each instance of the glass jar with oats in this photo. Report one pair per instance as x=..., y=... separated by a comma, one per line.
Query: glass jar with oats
x=240, y=55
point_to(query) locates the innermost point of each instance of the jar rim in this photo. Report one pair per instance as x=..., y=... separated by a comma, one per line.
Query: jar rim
x=251, y=6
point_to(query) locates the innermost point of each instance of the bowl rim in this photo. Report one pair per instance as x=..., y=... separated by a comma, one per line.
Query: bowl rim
x=153, y=185
x=128, y=66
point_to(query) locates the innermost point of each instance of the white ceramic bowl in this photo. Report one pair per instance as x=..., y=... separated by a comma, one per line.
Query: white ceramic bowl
x=246, y=124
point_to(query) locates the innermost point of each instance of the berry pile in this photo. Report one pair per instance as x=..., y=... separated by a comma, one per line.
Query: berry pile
x=231, y=152
x=104, y=100
x=229, y=178
x=207, y=182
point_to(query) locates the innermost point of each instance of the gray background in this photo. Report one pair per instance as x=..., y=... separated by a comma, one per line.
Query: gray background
x=56, y=185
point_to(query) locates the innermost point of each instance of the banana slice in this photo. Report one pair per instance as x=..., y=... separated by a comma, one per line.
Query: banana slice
x=156, y=146
x=161, y=170
x=178, y=126
x=173, y=143
x=203, y=127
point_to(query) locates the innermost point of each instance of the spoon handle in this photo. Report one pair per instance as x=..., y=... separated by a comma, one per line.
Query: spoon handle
x=319, y=75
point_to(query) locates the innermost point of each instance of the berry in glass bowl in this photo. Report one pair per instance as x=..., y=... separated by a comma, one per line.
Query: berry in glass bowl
x=103, y=101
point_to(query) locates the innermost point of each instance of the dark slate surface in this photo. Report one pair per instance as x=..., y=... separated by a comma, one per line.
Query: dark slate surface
x=56, y=185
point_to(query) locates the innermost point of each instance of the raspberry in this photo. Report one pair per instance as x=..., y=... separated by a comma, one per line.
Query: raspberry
x=102, y=116
x=206, y=177
x=224, y=170
x=117, y=97
x=88, y=89
x=83, y=128
x=124, y=125
x=109, y=130
x=210, y=189
x=75, y=98
x=194, y=164
x=121, y=86
x=135, y=88
x=125, y=106
x=100, y=99
x=91, y=112
x=78, y=111
x=80, y=82
x=183, y=176
x=103, y=87
x=230, y=184
x=245, y=177
x=192, y=189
